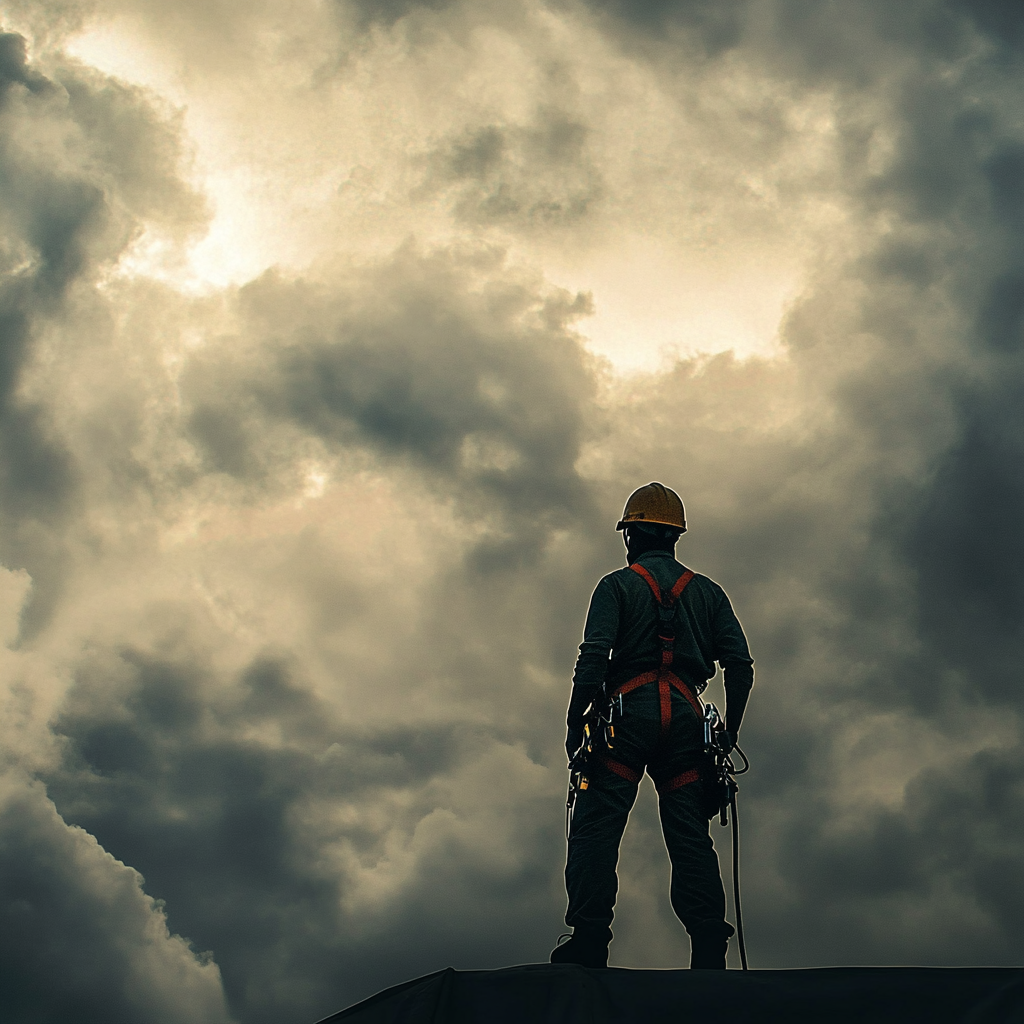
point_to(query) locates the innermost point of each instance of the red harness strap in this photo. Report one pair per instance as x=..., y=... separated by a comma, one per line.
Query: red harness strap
x=664, y=676
x=621, y=769
x=678, y=782
x=668, y=786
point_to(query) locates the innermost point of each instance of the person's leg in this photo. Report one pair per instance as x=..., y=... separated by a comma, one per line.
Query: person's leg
x=598, y=822
x=591, y=883
x=698, y=898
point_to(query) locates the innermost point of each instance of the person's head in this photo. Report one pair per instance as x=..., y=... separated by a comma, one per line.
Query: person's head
x=641, y=537
x=653, y=520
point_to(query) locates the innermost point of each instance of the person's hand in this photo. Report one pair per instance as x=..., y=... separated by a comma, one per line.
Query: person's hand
x=578, y=704
x=726, y=741
x=573, y=740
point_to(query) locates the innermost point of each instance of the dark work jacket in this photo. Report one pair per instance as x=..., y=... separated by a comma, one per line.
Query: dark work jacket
x=623, y=619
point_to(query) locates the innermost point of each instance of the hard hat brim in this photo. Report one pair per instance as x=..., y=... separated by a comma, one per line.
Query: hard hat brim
x=622, y=524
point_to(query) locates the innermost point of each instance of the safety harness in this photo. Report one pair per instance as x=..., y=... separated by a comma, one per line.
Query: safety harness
x=666, y=679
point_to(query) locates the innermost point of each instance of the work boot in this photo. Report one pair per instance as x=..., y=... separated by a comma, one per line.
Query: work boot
x=708, y=954
x=587, y=947
x=708, y=947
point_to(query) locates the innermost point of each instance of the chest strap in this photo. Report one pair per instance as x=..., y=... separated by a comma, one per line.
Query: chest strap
x=664, y=676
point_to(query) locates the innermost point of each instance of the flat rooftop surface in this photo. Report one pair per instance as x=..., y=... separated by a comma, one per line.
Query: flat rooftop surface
x=566, y=994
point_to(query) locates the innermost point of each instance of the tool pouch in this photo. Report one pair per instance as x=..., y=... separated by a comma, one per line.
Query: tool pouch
x=717, y=788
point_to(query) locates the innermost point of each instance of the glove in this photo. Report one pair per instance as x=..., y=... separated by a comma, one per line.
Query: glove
x=727, y=741
x=573, y=741
x=578, y=704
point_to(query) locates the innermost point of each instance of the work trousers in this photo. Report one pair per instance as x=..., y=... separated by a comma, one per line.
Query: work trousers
x=600, y=813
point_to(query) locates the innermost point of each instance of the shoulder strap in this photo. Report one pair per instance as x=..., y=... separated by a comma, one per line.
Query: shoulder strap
x=649, y=579
x=680, y=585
x=669, y=599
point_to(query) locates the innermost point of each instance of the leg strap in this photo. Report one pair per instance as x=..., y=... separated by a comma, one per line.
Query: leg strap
x=678, y=782
x=622, y=770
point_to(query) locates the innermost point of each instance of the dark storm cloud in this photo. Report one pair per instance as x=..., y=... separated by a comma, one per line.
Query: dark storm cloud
x=232, y=829
x=1003, y=22
x=14, y=65
x=936, y=880
x=714, y=26
x=967, y=540
x=968, y=546
x=387, y=12
x=521, y=175
x=498, y=412
x=833, y=42
x=79, y=939
x=82, y=161
x=48, y=221
x=960, y=167
x=482, y=386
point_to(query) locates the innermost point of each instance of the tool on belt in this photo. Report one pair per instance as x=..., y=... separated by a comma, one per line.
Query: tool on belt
x=598, y=728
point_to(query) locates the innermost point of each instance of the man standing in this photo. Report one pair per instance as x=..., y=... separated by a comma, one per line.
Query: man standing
x=653, y=633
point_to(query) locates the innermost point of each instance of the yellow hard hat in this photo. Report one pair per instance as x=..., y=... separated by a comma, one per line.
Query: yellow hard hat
x=654, y=503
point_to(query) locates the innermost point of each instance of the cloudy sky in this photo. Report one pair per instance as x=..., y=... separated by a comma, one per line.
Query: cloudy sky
x=333, y=335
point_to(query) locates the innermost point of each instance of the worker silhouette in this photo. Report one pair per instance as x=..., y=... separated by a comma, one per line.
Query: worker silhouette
x=653, y=633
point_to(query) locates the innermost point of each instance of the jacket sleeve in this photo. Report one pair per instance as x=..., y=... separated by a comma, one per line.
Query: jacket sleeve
x=592, y=663
x=599, y=635
x=732, y=653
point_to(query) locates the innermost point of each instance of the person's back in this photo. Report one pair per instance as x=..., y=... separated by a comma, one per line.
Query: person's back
x=653, y=634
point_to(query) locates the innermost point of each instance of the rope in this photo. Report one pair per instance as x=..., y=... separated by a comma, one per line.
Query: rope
x=736, y=876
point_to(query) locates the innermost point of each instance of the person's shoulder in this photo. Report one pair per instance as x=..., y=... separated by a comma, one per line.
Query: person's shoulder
x=699, y=577
x=704, y=583
x=609, y=589
x=616, y=576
